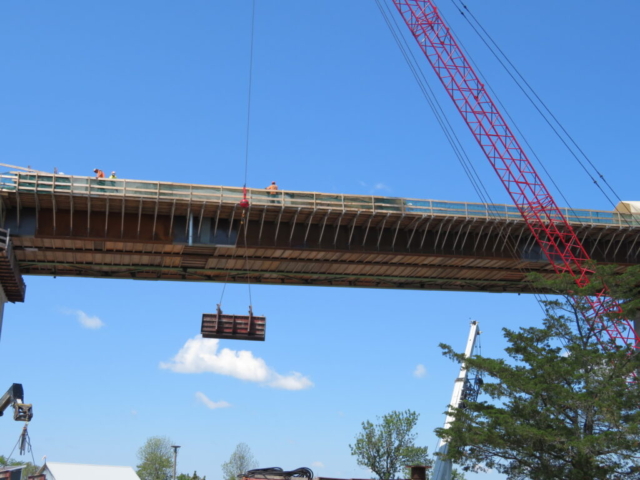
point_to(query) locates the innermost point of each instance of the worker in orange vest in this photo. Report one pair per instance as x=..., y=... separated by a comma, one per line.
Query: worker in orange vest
x=272, y=188
x=99, y=173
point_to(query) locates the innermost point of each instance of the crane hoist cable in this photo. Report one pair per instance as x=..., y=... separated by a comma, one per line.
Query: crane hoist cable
x=451, y=135
x=512, y=120
x=244, y=202
x=434, y=104
x=549, y=117
x=551, y=229
x=443, y=121
x=23, y=445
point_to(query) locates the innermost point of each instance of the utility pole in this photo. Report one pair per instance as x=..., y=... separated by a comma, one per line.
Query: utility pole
x=175, y=459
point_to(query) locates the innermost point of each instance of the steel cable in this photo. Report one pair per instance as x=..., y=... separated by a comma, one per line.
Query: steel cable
x=542, y=103
x=451, y=136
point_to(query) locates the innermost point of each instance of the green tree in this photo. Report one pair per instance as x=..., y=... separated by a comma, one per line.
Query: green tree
x=563, y=405
x=156, y=459
x=388, y=446
x=457, y=475
x=195, y=476
x=240, y=461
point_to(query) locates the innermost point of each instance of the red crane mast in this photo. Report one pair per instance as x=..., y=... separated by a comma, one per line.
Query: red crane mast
x=552, y=231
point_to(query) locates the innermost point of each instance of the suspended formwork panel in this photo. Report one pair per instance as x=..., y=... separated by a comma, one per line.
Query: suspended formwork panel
x=234, y=327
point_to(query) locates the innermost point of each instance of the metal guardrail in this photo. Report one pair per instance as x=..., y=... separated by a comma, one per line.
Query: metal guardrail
x=75, y=185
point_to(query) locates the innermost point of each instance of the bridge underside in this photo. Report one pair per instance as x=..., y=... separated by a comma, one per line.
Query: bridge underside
x=151, y=239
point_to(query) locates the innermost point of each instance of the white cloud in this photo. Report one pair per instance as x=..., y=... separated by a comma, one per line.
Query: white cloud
x=200, y=355
x=381, y=186
x=210, y=403
x=420, y=371
x=87, y=321
x=317, y=465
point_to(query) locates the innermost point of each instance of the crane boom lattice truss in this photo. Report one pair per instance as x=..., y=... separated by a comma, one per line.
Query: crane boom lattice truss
x=552, y=231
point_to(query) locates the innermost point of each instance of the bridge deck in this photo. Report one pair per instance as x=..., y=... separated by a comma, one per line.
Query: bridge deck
x=168, y=193
x=120, y=228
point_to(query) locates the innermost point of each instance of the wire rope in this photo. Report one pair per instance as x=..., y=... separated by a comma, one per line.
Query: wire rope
x=9, y=457
x=246, y=262
x=504, y=109
x=246, y=160
x=535, y=105
x=450, y=134
x=248, y=129
x=24, y=443
x=543, y=103
x=434, y=104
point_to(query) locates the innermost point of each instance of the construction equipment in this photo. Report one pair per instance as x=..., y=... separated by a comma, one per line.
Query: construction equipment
x=14, y=397
x=464, y=389
x=550, y=228
x=277, y=473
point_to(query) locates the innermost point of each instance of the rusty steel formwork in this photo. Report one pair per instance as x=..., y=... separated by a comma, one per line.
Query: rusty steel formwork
x=10, y=277
x=233, y=327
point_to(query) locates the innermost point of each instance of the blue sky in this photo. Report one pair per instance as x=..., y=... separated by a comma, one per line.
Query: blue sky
x=157, y=90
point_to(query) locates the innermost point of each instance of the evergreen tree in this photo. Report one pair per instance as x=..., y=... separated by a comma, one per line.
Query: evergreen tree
x=565, y=404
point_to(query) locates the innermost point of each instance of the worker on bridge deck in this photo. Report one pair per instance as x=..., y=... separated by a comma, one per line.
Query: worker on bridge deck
x=273, y=190
x=99, y=173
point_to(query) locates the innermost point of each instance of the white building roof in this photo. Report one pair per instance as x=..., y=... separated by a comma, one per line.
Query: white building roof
x=75, y=471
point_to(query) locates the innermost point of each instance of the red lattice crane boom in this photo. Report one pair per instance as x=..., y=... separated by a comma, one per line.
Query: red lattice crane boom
x=552, y=231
